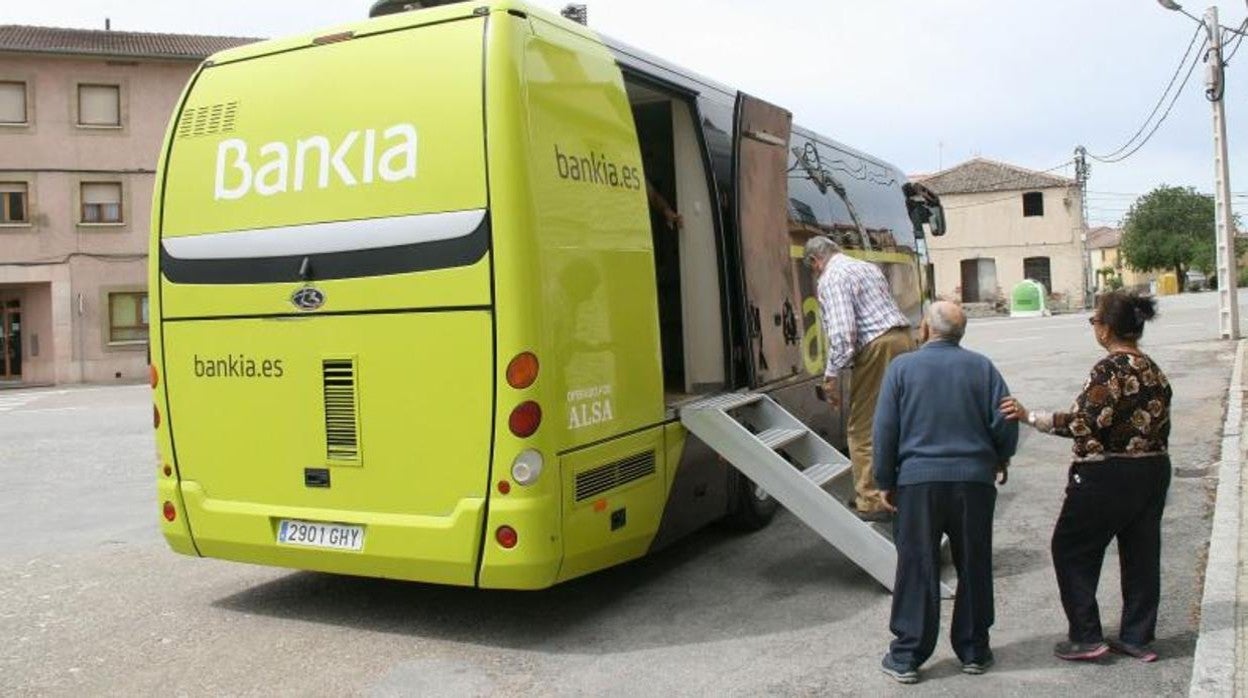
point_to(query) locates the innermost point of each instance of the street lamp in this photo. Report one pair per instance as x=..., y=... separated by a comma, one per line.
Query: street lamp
x=576, y=13
x=1224, y=241
x=1172, y=5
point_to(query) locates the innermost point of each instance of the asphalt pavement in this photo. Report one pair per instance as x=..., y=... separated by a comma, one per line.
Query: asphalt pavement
x=92, y=603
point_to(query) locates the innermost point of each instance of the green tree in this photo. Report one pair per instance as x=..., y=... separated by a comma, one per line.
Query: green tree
x=1169, y=228
x=1205, y=258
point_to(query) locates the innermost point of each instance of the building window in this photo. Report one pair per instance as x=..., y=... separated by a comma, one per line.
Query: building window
x=13, y=207
x=1033, y=204
x=99, y=105
x=12, y=102
x=127, y=317
x=1038, y=269
x=101, y=202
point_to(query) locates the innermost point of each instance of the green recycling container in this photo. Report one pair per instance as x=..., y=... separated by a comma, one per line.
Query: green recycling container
x=1027, y=299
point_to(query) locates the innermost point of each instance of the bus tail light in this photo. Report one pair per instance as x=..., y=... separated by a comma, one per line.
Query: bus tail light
x=170, y=511
x=153, y=375
x=525, y=419
x=155, y=417
x=522, y=371
x=506, y=537
x=527, y=467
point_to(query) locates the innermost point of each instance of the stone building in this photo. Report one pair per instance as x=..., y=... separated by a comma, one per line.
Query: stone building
x=1006, y=224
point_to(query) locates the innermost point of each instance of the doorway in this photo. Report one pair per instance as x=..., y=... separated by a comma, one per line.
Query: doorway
x=1039, y=269
x=685, y=244
x=10, y=339
x=979, y=280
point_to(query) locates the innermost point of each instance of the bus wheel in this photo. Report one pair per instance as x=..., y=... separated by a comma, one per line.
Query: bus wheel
x=755, y=508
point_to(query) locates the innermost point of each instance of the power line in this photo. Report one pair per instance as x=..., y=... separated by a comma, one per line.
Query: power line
x=1095, y=206
x=1160, y=121
x=983, y=203
x=1242, y=26
x=1160, y=100
x=112, y=257
x=1138, y=194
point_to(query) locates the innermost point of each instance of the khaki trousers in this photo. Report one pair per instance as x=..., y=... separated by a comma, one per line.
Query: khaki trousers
x=864, y=389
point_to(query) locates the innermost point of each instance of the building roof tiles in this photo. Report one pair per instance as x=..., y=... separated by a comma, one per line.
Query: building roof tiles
x=983, y=175
x=1104, y=237
x=120, y=44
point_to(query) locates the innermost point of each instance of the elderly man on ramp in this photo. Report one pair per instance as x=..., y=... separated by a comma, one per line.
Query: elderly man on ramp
x=865, y=331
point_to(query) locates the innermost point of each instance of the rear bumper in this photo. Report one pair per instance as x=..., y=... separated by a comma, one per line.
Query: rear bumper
x=434, y=549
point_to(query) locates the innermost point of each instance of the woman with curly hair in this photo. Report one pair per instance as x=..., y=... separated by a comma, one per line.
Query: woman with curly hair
x=1117, y=483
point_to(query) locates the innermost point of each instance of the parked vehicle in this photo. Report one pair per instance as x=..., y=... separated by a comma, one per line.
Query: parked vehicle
x=465, y=367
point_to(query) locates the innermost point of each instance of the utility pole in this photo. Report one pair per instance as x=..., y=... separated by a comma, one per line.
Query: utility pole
x=1224, y=231
x=1228, y=281
x=1082, y=170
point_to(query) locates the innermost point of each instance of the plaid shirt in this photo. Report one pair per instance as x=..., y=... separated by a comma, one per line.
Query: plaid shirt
x=857, y=307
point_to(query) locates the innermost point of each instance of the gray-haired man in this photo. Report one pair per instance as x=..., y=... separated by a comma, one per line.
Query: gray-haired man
x=865, y=331
x=940, y=441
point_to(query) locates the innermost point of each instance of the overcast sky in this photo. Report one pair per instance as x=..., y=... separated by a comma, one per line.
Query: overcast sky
x=921, y=84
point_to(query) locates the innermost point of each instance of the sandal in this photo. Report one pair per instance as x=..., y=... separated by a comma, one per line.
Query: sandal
x=1080, y=651
x=1140, y=652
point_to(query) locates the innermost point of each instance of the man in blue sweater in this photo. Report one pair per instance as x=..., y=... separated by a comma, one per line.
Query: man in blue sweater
x=940, y=443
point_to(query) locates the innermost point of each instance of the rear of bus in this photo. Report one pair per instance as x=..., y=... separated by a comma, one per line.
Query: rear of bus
x=324, y=352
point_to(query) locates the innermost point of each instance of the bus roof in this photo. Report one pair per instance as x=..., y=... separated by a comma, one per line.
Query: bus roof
x=389, y=23
x=629, y=57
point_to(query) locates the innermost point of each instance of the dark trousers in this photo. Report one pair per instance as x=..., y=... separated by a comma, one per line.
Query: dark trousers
x=1119, y=498
x=963, y=511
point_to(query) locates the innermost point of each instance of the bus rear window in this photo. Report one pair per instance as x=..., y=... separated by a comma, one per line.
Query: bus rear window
x=327, y=133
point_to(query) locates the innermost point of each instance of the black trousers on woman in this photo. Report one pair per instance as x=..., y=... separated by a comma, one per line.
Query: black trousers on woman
x=1119, y=498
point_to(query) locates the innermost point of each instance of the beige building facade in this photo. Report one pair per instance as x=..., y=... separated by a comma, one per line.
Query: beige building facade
x=1103, y=250
x=82, y=118
x=1007, y=224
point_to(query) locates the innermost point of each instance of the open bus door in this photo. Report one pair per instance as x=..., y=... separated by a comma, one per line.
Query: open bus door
x=772, y=305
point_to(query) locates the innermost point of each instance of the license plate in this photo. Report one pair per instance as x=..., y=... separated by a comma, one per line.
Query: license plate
x=320, y=535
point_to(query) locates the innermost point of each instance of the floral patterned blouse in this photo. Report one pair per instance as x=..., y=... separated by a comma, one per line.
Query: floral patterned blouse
x=1123, y=411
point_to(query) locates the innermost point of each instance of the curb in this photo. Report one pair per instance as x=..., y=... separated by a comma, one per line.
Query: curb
x=1214, y=666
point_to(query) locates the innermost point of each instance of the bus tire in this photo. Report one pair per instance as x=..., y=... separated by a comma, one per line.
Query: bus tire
x=755, y=508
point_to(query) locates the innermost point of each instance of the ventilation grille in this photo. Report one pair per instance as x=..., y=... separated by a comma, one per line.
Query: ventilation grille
x=342, y=419
x=209, y=120
x=612, y=475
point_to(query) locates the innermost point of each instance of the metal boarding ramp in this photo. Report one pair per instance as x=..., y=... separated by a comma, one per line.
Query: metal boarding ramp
x=751, y=431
